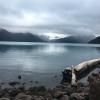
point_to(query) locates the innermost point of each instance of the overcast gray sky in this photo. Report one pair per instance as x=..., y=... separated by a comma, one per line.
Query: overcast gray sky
x=60, y=16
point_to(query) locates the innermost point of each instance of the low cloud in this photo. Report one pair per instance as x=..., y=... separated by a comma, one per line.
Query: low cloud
x=62, y=16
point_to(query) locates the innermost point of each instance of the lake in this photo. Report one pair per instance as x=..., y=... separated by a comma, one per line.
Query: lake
x=41, y=62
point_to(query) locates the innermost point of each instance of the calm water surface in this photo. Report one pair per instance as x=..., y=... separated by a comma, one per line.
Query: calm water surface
x=41, y=61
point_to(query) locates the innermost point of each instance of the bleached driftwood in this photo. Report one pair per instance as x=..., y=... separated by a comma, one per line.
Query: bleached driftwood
x=87, y=64
x=73, y=80
x=74, y=73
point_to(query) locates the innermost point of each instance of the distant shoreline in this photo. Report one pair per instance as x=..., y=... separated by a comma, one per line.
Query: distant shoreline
x=42, y=43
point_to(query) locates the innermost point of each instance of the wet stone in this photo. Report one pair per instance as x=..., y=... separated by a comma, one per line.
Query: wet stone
x=4, y=98
x=14, y=83
x=19, y=77
x=22, y=96
x=64, y=97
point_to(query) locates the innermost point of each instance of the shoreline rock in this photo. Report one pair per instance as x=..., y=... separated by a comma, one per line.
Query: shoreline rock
x=63, y=91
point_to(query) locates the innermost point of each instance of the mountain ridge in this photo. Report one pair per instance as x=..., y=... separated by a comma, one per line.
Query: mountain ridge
x=18, y=37
x=74, y=39
x=95, y=40
x=29, y=37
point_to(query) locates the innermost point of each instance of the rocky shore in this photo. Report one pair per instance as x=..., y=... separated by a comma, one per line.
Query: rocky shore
x=63, y=91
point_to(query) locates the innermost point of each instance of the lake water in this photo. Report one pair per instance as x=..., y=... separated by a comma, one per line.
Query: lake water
x=42, y=62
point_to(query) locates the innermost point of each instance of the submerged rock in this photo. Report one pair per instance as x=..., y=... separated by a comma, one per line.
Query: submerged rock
x=13, y=83
x=19, y=77
x=36, y=82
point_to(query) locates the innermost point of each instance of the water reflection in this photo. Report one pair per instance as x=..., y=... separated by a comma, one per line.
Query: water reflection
x=48, y=48
x=53, y=49
x=5, y=48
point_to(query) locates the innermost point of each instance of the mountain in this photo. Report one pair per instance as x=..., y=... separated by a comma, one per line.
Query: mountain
x=74, y=39
x=96, y=40
x=29, y=37
x=18, y=37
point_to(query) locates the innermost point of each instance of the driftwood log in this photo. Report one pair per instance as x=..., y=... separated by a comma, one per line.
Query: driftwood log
x=74, y=73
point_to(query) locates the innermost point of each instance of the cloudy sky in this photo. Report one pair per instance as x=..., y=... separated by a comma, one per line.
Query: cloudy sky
x=51, y=16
